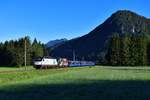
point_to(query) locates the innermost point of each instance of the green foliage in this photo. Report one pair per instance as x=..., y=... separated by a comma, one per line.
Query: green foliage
x=37, y=49
x=115, y=50
x=12, y=52
x=125, y=50
x=128, y=50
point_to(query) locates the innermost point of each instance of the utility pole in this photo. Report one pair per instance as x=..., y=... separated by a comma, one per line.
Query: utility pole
x=25, y=53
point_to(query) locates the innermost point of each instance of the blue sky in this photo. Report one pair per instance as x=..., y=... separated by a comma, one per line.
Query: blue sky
x=53, y=19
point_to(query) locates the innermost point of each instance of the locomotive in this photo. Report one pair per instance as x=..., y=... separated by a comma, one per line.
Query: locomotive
x=48, y=62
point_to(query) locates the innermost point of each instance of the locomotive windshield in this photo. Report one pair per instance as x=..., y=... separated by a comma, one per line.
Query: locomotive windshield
x=38, y=59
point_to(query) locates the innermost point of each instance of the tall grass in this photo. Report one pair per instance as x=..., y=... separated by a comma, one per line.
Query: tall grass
x=90, y=83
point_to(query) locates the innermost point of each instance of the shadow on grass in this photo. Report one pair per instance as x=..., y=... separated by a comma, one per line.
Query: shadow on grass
x=87, y=90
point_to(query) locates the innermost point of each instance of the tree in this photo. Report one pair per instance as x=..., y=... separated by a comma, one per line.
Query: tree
x=128, y=50
x=114, y=50
x=12, y=52
x=142, y=47
x=37, y=49
x=45, y=50
x=125, y=50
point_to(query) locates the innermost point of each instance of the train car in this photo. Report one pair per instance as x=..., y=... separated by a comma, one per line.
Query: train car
x=63, y=62
x=87, y=63
x=81, y=63
x=74, y=64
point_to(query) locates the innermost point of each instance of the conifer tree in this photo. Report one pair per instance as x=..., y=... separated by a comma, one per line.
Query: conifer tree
x=125, y=50
x=142, y=47
x=115, y=50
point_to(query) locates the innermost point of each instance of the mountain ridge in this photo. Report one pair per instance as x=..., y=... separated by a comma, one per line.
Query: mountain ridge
x=90, y=45
x=55, y=42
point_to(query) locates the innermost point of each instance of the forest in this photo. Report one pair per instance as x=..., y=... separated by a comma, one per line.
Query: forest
x=12, y=52
x=128, y=50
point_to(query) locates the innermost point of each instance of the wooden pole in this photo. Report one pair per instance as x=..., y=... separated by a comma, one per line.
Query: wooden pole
x=25, y=53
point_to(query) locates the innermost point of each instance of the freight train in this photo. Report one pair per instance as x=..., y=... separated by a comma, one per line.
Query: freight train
x=48, y=62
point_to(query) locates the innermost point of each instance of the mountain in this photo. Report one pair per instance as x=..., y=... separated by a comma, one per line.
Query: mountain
x=90, y=46
x=55, y=42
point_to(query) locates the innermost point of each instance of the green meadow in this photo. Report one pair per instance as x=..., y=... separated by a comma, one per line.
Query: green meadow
x=82, y=83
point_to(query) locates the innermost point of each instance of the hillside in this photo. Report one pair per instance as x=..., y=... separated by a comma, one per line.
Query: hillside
x=55, y=42
x=91, y=45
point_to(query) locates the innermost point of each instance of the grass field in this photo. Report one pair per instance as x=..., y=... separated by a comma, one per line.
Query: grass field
x=86, y=83
x=15, y=68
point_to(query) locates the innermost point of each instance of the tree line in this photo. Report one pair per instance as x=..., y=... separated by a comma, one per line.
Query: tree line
x=12, y=52
x=123, y=50
x=128, y=50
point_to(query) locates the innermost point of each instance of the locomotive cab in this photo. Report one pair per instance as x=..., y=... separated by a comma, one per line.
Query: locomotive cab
x=45, y=62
